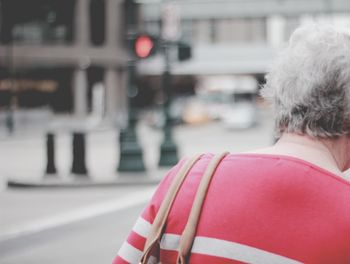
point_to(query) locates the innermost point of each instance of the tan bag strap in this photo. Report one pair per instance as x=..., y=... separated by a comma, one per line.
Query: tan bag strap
x=189, y=232
x=153, y=239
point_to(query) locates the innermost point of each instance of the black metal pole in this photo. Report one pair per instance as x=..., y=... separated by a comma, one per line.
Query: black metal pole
x=131, y=155
x=50, y=154
x=9, y=120
x=168, y=149
x=78, y=152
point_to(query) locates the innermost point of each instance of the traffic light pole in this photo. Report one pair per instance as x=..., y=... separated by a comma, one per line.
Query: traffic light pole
x=168, y=149
x=131, y=157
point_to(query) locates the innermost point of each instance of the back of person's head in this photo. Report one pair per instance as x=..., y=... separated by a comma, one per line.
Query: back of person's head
x=309, y=84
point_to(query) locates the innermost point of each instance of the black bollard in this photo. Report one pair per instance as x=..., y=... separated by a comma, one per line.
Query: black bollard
x=79, y=166
x=168, y=149
x=10, y=122
x=50, y=153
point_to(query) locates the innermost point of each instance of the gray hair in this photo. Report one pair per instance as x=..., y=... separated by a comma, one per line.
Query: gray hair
x=309, y=84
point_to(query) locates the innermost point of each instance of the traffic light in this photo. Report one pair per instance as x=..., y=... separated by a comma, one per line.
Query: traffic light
x=184, y=51
x=144, y=46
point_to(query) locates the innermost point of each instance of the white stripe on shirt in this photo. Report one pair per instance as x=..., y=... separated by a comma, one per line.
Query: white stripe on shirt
x=129, y=253
x=133, y=255
x=142, y=227
x=236, y=251
x=216, y=247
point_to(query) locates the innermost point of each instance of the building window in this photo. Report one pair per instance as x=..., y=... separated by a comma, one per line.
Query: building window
x=202, y=31
x=246, y=30
x=258, y=32
x=97, y=22
x=151, y=27
x=187, y=30
x=36, y=21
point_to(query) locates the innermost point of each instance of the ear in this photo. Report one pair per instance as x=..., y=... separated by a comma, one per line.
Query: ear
x=344, y=142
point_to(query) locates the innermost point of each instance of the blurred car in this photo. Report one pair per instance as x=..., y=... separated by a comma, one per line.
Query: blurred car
x=230, y=99
x=241, y=115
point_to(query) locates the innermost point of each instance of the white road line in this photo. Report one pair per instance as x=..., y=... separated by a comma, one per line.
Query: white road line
x=82, y=213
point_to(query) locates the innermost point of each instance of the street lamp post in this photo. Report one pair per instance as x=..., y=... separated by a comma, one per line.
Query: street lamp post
x=131, y=156
x=170, y=32
x=168, y=149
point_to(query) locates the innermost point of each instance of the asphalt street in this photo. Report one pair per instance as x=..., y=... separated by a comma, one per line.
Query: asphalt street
x=91, y=241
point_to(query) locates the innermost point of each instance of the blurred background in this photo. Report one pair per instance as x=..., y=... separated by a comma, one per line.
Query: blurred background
x=99, y=98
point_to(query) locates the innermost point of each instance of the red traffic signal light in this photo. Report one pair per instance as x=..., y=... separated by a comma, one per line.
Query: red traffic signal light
x=144, y=46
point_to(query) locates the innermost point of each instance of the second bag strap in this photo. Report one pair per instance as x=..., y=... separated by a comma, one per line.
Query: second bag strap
x=162, y=214
x=189, y=232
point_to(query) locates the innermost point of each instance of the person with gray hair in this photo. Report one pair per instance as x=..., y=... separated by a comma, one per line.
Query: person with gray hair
x=287, y=203
x=309, y=88
x=310, y=83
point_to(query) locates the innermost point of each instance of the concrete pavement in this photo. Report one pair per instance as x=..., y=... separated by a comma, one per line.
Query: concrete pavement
x=94, y=240
x=25, y=210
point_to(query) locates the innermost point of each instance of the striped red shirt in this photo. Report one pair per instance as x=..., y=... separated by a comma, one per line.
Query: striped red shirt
x=259, y=208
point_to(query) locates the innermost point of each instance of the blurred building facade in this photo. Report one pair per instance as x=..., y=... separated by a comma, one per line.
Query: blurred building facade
x=64, y=53
x=238, y=37
x=60, y=53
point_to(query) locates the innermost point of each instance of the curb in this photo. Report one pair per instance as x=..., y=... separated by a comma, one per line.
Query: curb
x=78, y=183
x=150, y=177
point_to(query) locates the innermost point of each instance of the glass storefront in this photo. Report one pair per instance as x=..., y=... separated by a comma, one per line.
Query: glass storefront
x=38, y=87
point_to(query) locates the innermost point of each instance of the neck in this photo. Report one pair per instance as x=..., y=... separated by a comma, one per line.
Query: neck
x=328, y=154
x=324, y=152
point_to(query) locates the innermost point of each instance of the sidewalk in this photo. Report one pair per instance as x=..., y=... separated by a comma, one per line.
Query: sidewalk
x=23, y=159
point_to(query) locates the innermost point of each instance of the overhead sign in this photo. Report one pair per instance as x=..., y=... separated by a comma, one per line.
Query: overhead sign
x=171, y=22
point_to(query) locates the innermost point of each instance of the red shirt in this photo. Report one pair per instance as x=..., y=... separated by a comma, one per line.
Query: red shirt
x=259, y=208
